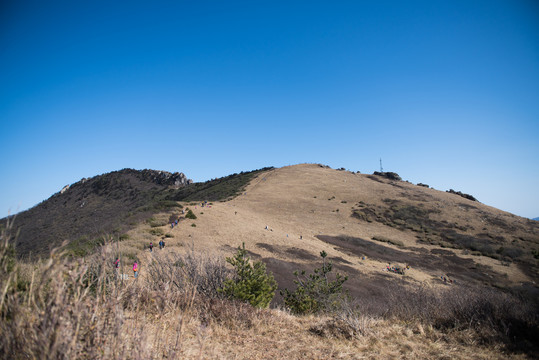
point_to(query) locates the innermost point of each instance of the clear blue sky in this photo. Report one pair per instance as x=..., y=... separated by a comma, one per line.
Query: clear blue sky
x=445, y=92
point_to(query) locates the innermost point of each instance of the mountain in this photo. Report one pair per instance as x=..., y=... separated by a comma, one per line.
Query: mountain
x=312, y=208
x=86, y=212
x=307, y=208
x=536, y=219
x=432, y=274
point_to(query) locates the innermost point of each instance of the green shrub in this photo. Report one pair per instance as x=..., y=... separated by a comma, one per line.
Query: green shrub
x=194, y=225
x=316, y=293
x=83, y=246
x=190, y=215
x=157, y=231
x=251, y=283
x=166, y=204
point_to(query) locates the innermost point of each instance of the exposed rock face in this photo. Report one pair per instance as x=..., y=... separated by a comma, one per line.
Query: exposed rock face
x=388, y=175
x=157, y=177
x=175, y=179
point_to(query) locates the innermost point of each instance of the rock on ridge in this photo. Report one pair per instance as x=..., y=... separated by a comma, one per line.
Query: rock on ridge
x=160, y=177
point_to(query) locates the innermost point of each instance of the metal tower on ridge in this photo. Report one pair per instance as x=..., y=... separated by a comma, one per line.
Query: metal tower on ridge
x=381, y=168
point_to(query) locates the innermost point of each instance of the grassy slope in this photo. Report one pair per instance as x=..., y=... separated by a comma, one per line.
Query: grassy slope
x=299, y=205
x=319, y=205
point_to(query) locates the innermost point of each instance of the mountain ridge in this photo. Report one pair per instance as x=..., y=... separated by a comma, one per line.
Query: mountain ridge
x=108, y=205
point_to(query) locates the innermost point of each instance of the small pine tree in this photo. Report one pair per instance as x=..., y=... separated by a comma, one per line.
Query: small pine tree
x=316, y=292
x=190, y=215
x=251, y=283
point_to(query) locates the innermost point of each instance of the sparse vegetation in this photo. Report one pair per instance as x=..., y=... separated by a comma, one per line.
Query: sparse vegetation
x=388, y=240
x=156, y=232
x=494, y=317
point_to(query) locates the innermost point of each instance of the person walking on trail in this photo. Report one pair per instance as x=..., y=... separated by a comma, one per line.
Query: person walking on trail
x=135, y=269
x=151, y=246
x=161, y=244
x=117, y=264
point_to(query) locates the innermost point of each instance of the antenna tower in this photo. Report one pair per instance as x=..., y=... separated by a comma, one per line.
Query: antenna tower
x=381, y=168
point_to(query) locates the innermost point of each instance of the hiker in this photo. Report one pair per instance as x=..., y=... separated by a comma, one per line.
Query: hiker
x=172, y=225
x=135, y=269
x=151, y=246
x=117, y=265
x=161, y=244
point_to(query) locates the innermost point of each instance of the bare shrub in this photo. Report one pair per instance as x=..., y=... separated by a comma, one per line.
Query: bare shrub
x=232, y=314
x=494, y=316
x=78, y=309
x=351, y=320
x=206, y=273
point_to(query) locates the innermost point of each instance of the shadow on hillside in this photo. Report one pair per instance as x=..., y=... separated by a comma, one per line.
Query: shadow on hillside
x=370, y=289
x=437, y=262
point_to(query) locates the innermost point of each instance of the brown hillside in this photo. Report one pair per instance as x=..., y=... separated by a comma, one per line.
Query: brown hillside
x=365, y=222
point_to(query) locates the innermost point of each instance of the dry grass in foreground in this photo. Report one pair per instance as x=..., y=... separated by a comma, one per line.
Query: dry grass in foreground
x=78, y=309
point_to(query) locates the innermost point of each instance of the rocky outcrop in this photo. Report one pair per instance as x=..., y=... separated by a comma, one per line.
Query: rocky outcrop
x=176, y=179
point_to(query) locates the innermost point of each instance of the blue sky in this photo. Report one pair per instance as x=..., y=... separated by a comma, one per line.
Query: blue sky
x=445, y=92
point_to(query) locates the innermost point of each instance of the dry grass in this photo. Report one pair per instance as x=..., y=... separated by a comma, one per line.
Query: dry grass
x=70, y=309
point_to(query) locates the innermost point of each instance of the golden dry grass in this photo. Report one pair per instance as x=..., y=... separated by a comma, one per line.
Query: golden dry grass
x=293, y=203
